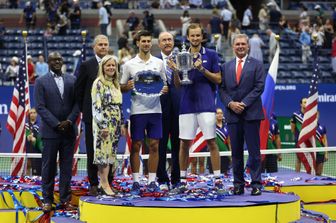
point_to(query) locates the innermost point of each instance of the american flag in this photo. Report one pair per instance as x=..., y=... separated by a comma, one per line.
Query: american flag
x=79, y=119
x=309, y=124
x=18, y=112
x=198, y=143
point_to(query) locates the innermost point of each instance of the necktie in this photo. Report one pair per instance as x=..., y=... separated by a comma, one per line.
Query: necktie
x=169, y=74
x=239, y=70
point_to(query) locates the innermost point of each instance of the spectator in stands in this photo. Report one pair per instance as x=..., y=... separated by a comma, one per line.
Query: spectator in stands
x=169, y=4
x=319, y=12
x=13, y=4
x=274, y=17
x=215, y=28
x=233, y=31
x=148, y=21
x=123, y=40
x=247, y=18
x=195, y=3
x=132, y=21
x=219, y=4
x=124, y=55
x=75, y=16
x=33, y=143
x=328, y=33
x=256, y=44
x=319, y=32
x=107, y=120
x=283, y=24
x=111, y=52
x=31, y=69
x=62, y=25
x=321, y=141
x=184, y=4
x=305, y=41
x=304, y=17
x=107, y=6
x=270, y=162
x=41, y=67
x=55, y=101
x=64, y=8
x=333, y=54
x=94, y=4
x=52, y=10
x=263, y=17
x=49, y=31
x=185, y=20
x=12, y=70
x=87, y=74
x=272, y=44
x=103, y=19
x=223, y=142
x=29, y=16
x=226, y=16
x=2, y=34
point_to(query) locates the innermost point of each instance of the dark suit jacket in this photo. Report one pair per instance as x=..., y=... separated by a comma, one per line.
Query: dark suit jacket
x=248, y=90
x=87, y=74
x=172, y=97
x=52, y=108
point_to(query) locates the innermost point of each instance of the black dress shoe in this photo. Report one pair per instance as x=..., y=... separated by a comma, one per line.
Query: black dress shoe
x=93, y=191
x=255, y=192
x=67, y=206
x=238, y=190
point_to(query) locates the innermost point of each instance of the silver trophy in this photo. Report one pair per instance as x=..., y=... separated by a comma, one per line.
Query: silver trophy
x=184, y=62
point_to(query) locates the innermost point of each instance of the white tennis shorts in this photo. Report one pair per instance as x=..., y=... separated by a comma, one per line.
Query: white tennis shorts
x=189, y=123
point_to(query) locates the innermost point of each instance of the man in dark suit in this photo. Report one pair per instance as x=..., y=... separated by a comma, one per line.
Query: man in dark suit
x=54, y=96
x=87, y=74
x=170, y=117
x=243, y=80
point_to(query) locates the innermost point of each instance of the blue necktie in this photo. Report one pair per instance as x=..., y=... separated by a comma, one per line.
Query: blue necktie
x=169, y=74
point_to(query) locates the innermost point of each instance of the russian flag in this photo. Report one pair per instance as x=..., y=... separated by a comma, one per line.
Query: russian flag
x=267, y=98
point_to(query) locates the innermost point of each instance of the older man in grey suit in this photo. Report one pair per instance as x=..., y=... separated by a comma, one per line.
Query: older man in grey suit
x=56, y=105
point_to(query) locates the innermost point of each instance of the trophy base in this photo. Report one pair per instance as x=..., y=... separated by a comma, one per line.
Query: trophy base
x=186, y=82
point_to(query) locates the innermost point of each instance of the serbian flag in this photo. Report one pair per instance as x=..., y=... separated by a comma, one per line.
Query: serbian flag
x=268, y=98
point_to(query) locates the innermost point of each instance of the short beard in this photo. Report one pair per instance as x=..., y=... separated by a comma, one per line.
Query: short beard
x=195, y=46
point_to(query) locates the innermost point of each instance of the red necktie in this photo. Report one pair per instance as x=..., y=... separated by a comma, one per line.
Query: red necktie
x=239, y=70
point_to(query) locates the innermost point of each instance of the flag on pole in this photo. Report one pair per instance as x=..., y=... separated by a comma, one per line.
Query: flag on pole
x=18, y=112
x=309, y=124
x=81, y=59
x=199, y=143
x=267, y=98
